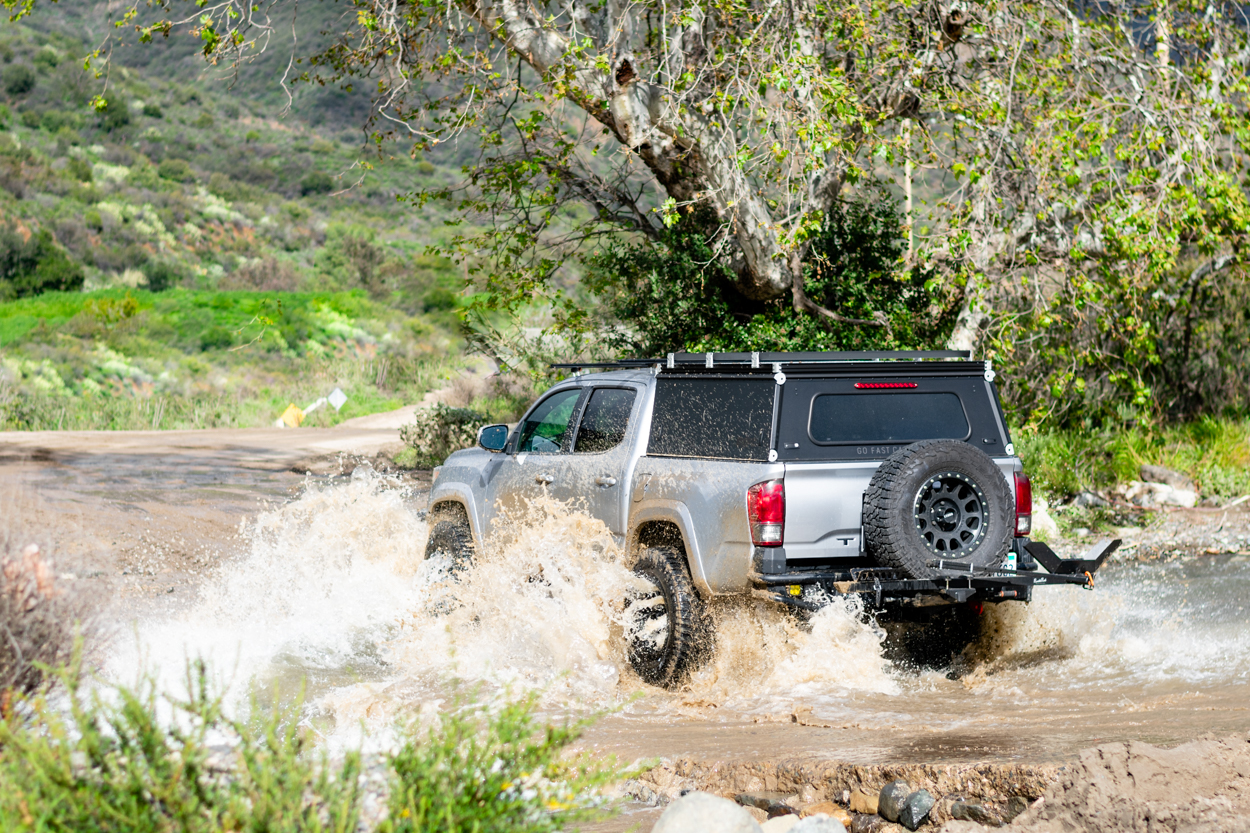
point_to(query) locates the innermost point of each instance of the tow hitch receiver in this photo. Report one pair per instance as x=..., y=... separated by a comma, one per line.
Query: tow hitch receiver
x=1093, y=559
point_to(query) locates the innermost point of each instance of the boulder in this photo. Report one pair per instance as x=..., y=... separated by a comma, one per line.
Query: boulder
x=705, y=813
x=1159, y=474
x=890, y=799
x=865, y=823
x=1015, y=806
x=772, y=803
x=969, y=811
x=916, y=808
x=862, y=802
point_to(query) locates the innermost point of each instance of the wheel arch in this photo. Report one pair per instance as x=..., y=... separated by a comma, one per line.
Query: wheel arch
x=668, y=523
x=449, y=498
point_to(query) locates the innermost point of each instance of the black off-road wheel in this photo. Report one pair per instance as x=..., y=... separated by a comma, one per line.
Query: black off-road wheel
x=666, y=623
x=938, y=500
x=450, y=536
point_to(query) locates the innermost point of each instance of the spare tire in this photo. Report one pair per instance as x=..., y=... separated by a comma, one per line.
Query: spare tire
x=938, y=500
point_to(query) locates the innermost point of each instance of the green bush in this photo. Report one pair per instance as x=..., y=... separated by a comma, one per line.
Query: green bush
x=32, y=119
x=94, y=221
x=251, y=136
x=437, y=432
x=316, y=182
x=152, y=110
x=478, y=771
x=204, y=120
x=18, y=79
x=175, y=170
x=115, y=115
x=48, y=58
x=106, y=761
x=33, y=264
x=79, y=169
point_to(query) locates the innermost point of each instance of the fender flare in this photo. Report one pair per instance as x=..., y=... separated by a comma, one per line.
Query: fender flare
x=676, y=513
x=462, y=494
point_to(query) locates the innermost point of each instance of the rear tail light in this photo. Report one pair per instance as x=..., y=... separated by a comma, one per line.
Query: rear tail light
x=766, y=507
x=1024, y=504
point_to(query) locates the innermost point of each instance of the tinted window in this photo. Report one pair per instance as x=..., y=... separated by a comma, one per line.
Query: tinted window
x=544, y=429
x=887, y=418
x=604, y=420
x=724, y=418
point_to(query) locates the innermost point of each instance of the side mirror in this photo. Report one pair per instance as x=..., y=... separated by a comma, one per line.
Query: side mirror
x=493, y=437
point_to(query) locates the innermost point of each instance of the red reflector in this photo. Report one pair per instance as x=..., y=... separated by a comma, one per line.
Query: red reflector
x=1024, y=504
x=883, y=385
x=766, y=508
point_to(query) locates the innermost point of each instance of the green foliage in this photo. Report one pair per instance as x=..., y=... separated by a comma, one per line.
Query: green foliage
x=205, y=120
x=31, y=262
x=493, y=770
x=152, y=110
x=115, y=115
x=80, y=169
x=18, y=79
x=1215, y=453
x=175, y=170
x=438, y=431
x=113, y=764
x=675, y=294
x=316, y=182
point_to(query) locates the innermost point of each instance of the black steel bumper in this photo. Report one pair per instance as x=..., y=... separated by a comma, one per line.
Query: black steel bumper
x=880, y=586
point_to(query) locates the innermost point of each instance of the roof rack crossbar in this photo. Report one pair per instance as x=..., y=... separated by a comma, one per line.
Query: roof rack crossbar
x=756, y=360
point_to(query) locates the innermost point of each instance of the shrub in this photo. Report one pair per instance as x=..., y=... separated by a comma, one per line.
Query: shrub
x=205, y=120
x=115, y=115
x=162, y=275
x=5, y=114
x=110, y=762
x=18, y=79
x=482, y=772
x=230, y=111
x=33, y=264
x=437, y=432
x=251, y=136
x=79, y=169
x=94, y=221
x=32, y=119
x=38, y=619
x=175, y=170
x=47, y=57
x=152, y=110
x=316, y=182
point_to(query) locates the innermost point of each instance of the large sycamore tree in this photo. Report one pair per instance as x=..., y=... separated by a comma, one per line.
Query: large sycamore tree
x=1069, y=170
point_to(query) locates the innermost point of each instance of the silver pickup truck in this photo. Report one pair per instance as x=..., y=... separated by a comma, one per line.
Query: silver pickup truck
x=790, y=477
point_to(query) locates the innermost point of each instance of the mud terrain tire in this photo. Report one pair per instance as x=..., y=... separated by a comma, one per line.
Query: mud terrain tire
x=679, y=640
x=450, y=535
x=938, y=499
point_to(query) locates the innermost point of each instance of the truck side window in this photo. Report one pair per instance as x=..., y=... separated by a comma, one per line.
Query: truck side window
x=543, y=431
x=604, y=420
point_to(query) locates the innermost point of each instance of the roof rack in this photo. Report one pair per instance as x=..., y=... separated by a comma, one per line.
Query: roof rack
x=741, y=361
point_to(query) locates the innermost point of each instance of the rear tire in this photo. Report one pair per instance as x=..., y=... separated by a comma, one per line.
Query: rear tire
x=938, y=500
x=451, y=537
x=667, y=629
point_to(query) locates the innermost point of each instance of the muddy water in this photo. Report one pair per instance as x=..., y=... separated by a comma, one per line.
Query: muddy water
x=331, y=591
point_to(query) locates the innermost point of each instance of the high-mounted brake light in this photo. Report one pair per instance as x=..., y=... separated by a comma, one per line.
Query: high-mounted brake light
x=766, y=507
x=1024, y=504
x=883, y=385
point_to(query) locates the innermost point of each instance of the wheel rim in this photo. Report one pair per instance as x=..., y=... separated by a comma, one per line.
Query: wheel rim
x=647, y=621
x=950, y=513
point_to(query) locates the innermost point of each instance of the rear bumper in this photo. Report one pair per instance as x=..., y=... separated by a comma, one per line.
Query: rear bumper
x=879, y=586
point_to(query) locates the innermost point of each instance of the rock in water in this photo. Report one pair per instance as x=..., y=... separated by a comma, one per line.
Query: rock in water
x=706, y=813
x=890, y=801
x=915, y=808
x=818, y=824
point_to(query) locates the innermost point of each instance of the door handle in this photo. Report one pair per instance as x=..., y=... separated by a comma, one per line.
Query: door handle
x=605, y=481
x=545, y=479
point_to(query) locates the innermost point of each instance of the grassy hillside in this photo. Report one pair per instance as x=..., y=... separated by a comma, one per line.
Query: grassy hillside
x=180, y=247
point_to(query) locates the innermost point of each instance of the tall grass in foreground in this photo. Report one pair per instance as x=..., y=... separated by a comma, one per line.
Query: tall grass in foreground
x=1214, y=452
x=118, y=760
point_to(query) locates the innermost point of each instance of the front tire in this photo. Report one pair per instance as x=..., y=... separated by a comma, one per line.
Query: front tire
x=667, y=632
x=450, y=537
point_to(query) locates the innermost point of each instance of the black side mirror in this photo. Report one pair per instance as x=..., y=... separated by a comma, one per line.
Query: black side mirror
x=493, y=437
